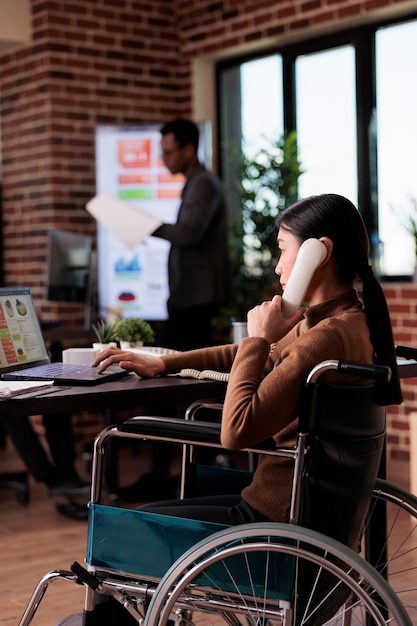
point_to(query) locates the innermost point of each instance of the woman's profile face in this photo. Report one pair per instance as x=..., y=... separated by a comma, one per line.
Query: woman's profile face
x=288, y=246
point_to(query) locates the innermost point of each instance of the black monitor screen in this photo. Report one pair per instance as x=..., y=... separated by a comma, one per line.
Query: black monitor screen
x=69, y=258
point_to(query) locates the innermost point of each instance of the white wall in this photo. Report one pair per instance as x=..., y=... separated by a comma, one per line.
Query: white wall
x=15, y=28
x=15, y=23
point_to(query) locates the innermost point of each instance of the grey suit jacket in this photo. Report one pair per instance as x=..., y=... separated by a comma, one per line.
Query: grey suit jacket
x=198, y=267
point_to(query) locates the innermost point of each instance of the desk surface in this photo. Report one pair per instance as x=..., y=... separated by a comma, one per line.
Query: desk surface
x=407, y=368
x=125, y=392
x=128, y=392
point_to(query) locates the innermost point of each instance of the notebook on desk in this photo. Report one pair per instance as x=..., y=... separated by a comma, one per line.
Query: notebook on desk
x=23, y=353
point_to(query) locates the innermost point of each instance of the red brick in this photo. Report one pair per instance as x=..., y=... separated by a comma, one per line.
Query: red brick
x=119, y=62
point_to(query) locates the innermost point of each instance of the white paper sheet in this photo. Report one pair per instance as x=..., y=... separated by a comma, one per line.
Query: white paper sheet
x=128, y=223
x=12, y=388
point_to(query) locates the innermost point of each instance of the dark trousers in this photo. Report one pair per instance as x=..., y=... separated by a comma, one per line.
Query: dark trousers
x=223, y=509
x=187, y=327
x=58, y=431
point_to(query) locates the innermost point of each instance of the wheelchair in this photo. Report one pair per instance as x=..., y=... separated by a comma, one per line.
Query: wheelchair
x=328, y=564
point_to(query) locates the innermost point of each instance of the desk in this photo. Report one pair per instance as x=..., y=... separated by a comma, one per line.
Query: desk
x=376, y=548
x=126, y=392
x=129, y=391
x=407, y=368
x=410, y=371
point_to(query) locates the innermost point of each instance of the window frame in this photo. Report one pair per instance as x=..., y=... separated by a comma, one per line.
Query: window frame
x=362, y=39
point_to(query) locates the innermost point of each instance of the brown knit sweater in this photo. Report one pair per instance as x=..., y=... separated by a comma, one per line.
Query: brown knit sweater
x=264, y=391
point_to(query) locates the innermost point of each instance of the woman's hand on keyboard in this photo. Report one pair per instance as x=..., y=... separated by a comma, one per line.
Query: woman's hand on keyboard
x=144, y=366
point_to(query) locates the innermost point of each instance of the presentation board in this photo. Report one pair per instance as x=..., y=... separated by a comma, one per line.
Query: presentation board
x=129, y=168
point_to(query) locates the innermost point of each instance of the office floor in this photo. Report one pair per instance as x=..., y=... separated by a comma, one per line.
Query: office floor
x=35, y=539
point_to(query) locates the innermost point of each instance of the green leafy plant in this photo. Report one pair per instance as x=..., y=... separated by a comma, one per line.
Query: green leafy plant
x=133, y=330
x=410, y=221
x=267, y=184
x=103, y=331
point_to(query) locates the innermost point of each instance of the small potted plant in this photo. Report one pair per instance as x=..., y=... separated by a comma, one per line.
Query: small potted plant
x=133, y=332
x=105, y=335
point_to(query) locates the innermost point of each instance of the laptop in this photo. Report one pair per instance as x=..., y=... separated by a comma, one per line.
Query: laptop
x=23, y=353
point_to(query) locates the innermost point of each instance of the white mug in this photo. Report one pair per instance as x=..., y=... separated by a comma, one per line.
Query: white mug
x=239, y=331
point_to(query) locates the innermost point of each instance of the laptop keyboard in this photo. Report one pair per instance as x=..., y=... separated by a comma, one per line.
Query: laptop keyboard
x=55, y=369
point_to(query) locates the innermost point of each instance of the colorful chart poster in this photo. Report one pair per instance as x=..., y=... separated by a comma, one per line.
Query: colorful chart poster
x=129, y=168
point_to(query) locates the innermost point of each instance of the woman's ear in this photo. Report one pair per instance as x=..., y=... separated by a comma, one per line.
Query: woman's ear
x=329, y=247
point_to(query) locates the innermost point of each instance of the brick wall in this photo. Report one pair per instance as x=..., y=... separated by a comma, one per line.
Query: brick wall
x=89, y=63
x=129, y=61
x=117, y=62
x=210, y=26
x=402, y=303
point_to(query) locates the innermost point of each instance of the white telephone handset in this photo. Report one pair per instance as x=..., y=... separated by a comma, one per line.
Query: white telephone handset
x=311, y=253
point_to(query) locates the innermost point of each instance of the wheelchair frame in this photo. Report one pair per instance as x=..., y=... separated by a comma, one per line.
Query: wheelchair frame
x=176, y=595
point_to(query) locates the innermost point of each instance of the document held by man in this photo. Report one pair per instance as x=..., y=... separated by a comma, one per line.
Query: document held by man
x=128, y=223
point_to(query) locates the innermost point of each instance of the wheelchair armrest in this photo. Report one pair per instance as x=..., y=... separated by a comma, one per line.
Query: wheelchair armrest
x=176, y=429
x=179, y=430
x=378, y=373
x=197, y=405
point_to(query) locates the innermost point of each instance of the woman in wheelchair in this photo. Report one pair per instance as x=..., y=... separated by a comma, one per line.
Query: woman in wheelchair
x=268, y=368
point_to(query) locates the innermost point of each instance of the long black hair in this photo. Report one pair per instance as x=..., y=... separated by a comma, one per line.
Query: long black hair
x=335, y=217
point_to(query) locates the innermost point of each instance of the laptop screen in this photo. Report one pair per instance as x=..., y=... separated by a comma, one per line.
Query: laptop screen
x=21, y=340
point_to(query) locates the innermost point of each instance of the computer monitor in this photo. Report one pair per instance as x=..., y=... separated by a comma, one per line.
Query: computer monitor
x=69, y=267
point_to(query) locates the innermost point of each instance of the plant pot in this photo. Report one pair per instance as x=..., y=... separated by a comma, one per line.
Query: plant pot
x=126, y=345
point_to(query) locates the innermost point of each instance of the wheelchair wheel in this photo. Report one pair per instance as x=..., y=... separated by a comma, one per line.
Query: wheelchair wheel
x=270, y=574
x=391, y=541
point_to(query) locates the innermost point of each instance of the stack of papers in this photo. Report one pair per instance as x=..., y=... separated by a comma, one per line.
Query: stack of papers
x=13, y=388
x=128, y=223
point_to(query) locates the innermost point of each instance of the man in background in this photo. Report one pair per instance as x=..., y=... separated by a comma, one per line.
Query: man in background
x=198, y=276
x=55, y=466
x=198, y=268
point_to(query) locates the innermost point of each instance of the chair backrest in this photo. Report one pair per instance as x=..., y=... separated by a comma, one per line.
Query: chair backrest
x=346, y=435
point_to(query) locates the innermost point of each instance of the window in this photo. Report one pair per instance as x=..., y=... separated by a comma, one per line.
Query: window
x=351, y=98
x=261, y=101
x=326, y=122
x=396, y=51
